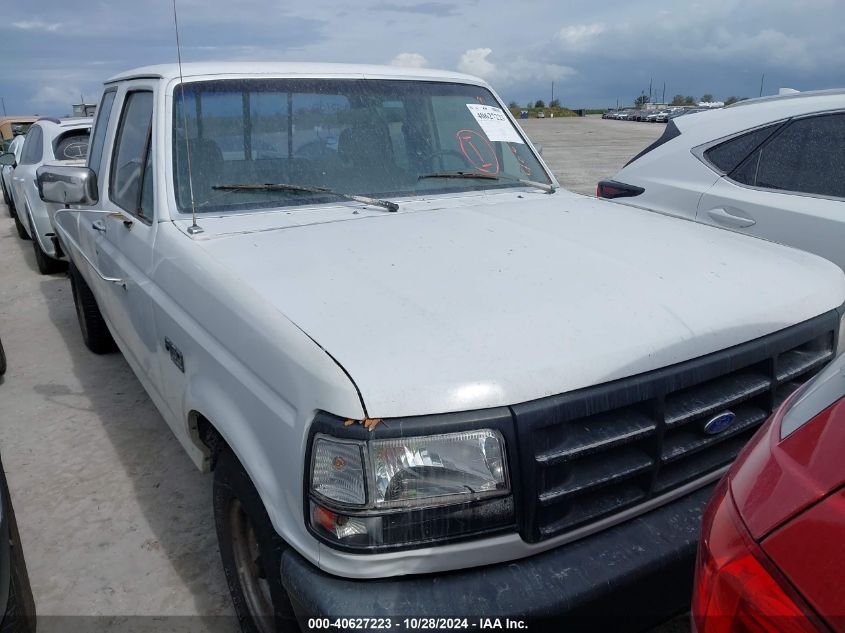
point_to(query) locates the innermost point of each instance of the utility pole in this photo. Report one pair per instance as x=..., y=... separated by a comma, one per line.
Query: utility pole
x=663, y=100
x=650, y=80
x=4, y=105
x=553, y=93
x=761, y=83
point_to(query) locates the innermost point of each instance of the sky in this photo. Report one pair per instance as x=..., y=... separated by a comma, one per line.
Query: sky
x=595, y=52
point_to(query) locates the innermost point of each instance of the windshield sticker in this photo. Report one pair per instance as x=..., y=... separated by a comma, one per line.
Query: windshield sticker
x=478, y=151
x=495, y=124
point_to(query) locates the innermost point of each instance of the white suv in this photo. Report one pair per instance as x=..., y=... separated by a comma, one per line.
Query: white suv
x=48, y=141
x=771, y=168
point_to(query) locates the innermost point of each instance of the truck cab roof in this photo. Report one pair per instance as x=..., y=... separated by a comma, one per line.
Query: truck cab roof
x=281, y=69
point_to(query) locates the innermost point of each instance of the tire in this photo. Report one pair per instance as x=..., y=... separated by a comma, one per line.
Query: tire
x=251, y=551
x=21, y=230
x=95, y=332
x=46, y=264
x=13, y=210
x=2, y=359
x=20, y=606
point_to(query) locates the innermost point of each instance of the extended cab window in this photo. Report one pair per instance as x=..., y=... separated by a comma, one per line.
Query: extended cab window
x=806, y=157
x=380, y=138
x=98, y=140
x=131, y=151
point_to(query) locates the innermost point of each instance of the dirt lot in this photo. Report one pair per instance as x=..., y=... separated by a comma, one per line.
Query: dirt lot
x=115, y=520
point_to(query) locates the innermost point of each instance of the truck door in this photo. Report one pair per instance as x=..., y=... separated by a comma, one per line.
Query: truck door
x=124, y=232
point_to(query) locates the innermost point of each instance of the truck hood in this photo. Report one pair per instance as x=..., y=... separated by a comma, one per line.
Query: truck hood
x=491, y=300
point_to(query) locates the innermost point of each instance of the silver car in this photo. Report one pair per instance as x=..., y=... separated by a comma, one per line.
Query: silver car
x=771, y=168
x=48, y=141
x=14, y=152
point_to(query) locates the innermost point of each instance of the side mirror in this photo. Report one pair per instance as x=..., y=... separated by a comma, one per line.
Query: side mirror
x=67, y=185
x=7, y=159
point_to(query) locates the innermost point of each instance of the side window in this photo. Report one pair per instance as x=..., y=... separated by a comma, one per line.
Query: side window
x=33, y=147
x=728, y=155
x=130, y=152
x=71, y=146
x=806, y=157
x=98, y=139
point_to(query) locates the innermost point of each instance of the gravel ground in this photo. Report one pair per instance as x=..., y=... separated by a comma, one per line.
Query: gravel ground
x=115, y=520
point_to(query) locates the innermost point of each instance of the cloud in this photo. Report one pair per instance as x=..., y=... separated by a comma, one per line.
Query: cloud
x=62, y=95
x=37, y=25
x=580, y=37
x=439, y=9
x=475, y=62
x=517, y=70
x=409, y=60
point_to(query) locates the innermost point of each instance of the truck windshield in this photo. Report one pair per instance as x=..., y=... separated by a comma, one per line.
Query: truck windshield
x=375, y=138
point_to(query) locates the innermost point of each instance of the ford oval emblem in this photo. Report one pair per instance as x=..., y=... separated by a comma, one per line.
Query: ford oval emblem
x=719, y=423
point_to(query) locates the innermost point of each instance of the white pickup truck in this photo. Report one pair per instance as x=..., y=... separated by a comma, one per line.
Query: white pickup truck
x=428, y=380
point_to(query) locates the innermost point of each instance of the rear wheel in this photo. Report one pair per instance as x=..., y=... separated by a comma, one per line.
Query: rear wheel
x=46, y=264
x=20, y=228
x=95, y=332
x=13, y=212
x=251, y=551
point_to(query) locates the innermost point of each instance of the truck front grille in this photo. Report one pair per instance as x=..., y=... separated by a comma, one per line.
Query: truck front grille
x=597, y=452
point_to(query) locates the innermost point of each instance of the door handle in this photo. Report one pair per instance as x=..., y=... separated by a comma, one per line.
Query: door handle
x=723, y=216
x=99, y=225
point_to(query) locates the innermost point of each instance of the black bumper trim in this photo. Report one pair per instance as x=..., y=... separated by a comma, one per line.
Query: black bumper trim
x=626, y=578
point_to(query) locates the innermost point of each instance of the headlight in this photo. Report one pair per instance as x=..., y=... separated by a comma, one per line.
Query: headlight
x=437, y=469
x=409, y=490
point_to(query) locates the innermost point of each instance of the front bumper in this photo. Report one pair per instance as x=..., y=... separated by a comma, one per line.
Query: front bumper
x=625, y=578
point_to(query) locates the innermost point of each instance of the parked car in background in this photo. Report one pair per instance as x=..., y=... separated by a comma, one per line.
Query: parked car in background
x=771, y=553
x=17, y=607
x=11, y=126
x=49, y=141
x=770, y=168
x=663, y=116
x=474, y=434
x=6, y=171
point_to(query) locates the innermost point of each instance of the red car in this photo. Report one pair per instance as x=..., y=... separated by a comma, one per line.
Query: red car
x=772, y=552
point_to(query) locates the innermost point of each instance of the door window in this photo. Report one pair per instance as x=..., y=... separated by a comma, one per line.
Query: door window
x=33, y=147
x=130, y=156
x=808, y=156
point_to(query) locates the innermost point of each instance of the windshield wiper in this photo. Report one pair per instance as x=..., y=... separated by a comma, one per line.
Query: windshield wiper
x=482, y=176
x=283, y=186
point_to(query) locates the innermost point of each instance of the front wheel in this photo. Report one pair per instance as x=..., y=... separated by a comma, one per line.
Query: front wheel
x=251, y=551
x=95, y=332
